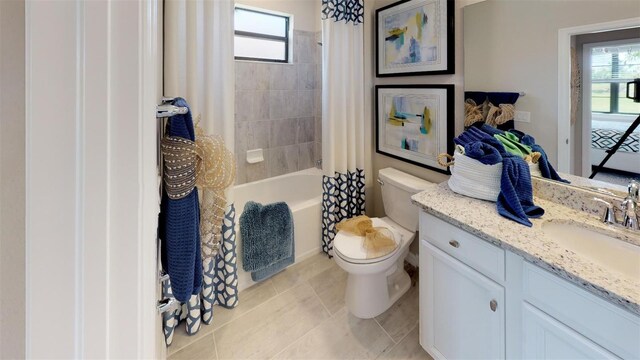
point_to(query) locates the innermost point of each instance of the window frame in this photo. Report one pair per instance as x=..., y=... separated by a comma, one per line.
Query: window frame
x=286, y=39
x=614, y=86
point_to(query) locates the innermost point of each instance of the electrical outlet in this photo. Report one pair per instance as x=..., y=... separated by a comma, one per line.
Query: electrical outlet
x=522, y=116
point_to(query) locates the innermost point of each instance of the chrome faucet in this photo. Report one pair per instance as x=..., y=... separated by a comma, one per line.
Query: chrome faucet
x=609, y=213
x=630, y=206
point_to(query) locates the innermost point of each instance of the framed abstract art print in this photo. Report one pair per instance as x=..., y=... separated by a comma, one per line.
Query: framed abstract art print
x=414, y=123
x=415, y=37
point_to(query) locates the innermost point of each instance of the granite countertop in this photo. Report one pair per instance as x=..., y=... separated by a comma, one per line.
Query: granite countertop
x=481, y=218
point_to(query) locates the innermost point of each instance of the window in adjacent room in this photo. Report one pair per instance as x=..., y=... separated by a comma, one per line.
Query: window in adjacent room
x=261, y=35
x=611, y=68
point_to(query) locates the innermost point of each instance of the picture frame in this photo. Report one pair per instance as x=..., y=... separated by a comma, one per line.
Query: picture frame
x=415, y=37
x=415, y=123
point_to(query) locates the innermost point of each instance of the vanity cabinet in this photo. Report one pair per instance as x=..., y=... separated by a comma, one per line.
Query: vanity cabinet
x=479, y=301
x=546, y=338
x=464, y=312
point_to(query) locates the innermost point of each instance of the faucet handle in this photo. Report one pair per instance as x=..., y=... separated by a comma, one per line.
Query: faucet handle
x=630, y=209
x=633, y=189
x=609, y=214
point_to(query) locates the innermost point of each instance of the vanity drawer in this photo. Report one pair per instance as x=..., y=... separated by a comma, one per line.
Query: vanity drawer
x=471, y=250
x=607, y=325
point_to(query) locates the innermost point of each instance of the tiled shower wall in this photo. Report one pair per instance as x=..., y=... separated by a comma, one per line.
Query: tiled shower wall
x=278, y=108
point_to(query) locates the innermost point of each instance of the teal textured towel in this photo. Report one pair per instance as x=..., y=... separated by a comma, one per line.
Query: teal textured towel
x=267, y=235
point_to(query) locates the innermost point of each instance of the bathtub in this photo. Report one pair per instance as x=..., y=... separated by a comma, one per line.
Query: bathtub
x=302, y=191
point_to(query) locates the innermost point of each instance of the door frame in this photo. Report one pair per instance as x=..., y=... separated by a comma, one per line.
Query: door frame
x=565, y=142
x=91, y=183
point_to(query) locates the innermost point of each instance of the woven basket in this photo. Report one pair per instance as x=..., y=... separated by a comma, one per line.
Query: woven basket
x=470, y=177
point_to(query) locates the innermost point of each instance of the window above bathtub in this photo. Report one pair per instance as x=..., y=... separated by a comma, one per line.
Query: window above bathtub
x=262, y=35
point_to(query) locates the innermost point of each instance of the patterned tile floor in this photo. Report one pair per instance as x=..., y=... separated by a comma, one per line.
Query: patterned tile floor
x=300, y=314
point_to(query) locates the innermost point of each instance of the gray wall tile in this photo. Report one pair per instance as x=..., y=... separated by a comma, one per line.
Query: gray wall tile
x=245, y=75
x=318, y=151
x=283, y=160
x=318, y=129
x=283, y=77
x=306, y=157
x=283, y=132
x=306, y=130
x=277, y=107
x=244, y=105
x=241, y=169
x=305, y=47
x=317, y=102
x=257, y=171
x=304, y=105
x=307, y=76
x=252, y=135
x=262, y=77
x=261, y=103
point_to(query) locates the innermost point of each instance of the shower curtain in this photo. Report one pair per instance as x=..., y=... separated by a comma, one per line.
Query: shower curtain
x=199, y=66
x=343, y=115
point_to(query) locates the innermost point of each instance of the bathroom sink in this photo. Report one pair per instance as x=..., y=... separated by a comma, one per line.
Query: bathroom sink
x=602, y=249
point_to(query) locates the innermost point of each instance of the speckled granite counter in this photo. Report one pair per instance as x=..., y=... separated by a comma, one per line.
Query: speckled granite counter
x=480, y=218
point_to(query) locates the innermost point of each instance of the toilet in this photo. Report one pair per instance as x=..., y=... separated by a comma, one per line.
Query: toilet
x=373, y=285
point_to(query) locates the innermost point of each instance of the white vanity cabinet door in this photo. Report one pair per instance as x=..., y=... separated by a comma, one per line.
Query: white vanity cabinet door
x=546, y=338
x=461, y=310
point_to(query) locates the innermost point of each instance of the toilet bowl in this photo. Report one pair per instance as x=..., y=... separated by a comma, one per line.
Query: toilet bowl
x=373, y=285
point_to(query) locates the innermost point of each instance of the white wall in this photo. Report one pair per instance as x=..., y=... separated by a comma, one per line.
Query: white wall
x=12, y=178
x=306, y=13
x=513, y=46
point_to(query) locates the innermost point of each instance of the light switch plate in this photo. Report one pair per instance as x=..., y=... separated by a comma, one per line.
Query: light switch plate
x=522, y=116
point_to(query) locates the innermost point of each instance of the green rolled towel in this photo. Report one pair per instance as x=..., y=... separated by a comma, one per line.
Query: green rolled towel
x=512, y=144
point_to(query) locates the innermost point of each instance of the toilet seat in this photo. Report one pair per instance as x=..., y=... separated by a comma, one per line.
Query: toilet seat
x=349, y=247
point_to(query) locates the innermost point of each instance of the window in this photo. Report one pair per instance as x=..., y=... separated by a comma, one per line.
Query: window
x=261, y=35
x=611, y=68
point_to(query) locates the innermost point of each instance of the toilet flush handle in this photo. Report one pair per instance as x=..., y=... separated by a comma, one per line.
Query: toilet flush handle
x=380, y=182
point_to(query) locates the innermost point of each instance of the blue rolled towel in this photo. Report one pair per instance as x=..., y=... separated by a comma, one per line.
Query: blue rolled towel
x=490, y=130
x=179, y=225
x=472, y=134
x=267, y=235
x=486, y=151
x=546, y=169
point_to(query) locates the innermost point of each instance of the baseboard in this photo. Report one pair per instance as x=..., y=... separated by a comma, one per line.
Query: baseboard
x=412, y=259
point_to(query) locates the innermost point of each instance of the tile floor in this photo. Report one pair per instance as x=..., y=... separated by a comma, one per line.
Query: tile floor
x=300, y=314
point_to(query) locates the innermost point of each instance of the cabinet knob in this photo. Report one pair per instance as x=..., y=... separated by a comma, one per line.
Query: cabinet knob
x=493, y=304
x=454, y=243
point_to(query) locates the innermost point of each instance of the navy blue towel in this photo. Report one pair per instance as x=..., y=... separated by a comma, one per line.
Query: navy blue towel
x=179, y=225
x=486, y=151
x=515, y=200
x=267, y=238
x=546, y=169
x=472, y=134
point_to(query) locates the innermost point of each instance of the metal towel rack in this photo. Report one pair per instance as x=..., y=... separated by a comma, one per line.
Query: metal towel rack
x=164, y=111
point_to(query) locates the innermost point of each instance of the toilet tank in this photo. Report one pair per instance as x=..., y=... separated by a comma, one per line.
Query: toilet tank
x=397, y=189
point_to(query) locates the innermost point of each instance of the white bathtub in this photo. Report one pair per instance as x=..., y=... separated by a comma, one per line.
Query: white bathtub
x=302, y=191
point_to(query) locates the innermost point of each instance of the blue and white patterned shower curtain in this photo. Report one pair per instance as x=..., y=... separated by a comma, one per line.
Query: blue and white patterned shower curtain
x=199, y=66
x=343, y=115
